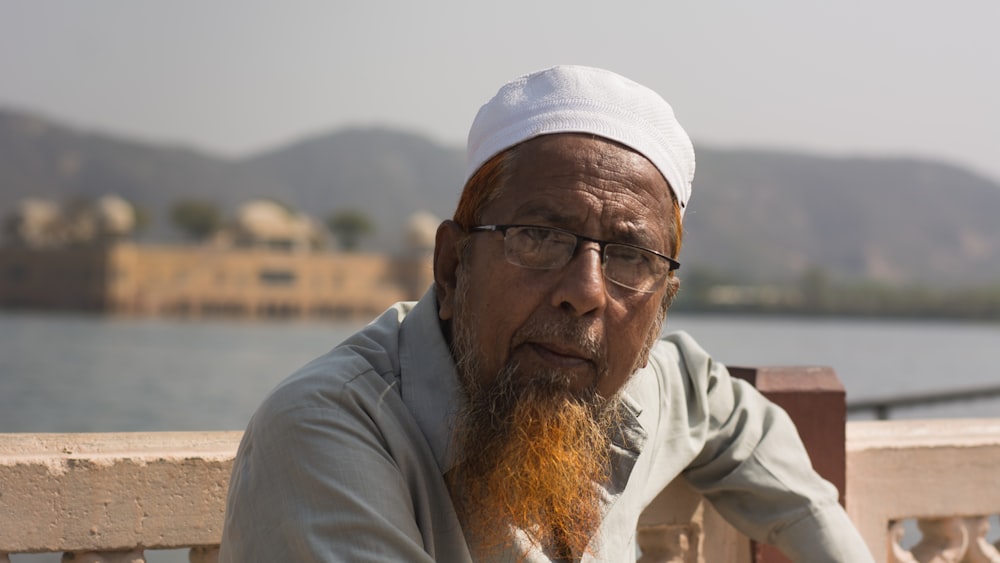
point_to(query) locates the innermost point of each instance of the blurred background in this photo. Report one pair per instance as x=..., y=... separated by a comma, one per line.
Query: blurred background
x=197, y=198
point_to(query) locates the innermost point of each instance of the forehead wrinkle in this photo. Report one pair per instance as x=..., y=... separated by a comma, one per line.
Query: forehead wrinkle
x=540, y=211
x=624, y=226
x=614, y=170
x=600, y=179
x=627, y=212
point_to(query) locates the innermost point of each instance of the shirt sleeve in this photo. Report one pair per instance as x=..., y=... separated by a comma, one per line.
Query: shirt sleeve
x=328, y=475
x=755, y=471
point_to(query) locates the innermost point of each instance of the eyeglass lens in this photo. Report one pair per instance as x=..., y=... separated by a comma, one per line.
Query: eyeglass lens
x=544, y=248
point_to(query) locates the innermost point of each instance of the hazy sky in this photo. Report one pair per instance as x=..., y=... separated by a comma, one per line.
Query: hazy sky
x=881, y=77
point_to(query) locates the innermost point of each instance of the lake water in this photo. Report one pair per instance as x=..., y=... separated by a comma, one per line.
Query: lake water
x=63, y=373
x=67, y=373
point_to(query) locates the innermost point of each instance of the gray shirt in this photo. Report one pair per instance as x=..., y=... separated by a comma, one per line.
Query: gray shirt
x=344, y=460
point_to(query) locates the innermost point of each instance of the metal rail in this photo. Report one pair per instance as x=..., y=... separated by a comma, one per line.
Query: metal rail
x=882, y=406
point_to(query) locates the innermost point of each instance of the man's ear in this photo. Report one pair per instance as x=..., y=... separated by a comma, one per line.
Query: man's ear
x=446, y=264
x=673, y=286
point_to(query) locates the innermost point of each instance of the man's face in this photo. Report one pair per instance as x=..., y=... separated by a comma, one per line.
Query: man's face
x=570, y=320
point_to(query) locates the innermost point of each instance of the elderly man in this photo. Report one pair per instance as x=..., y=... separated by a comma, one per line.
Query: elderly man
x=526, y=409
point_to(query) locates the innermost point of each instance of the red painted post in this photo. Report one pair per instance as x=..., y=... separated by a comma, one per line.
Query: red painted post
x=815, y=400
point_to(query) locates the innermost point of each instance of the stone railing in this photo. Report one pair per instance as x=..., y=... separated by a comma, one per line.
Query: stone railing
x=110, y=497
x=105, y=498
x=941, y=475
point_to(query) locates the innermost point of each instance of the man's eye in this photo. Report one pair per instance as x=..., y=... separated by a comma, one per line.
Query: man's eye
x=628, y=255
x=539, y=235
x=548, y=238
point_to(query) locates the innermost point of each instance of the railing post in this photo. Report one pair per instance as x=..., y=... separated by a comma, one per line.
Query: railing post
x=814, y=398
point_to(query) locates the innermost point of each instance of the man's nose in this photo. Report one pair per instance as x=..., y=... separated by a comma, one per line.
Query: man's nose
x=581, y=287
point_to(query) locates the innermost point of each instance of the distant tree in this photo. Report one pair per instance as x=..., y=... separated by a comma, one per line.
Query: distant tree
x=143, y=218
x=196, y=218
x=349, y=225
x=816, y=289
x=697, y=284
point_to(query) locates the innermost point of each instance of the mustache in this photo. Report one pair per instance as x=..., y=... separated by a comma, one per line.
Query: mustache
x=582, y=339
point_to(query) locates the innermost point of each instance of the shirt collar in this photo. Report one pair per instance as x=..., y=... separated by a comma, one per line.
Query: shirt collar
x=428, y=382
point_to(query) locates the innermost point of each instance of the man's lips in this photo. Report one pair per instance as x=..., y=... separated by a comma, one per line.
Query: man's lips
x=559, y=355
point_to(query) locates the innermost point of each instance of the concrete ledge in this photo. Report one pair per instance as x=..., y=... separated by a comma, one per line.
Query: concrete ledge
x=162, y=490
x=116, y=491
x=920, y=468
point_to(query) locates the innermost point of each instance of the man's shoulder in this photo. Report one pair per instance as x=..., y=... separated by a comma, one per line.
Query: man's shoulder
x=338, y=383
x=361, y=369
x=682, y=369
x=679, y=351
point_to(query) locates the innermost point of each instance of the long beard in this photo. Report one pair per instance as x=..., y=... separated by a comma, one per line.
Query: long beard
x=533, y=453
x=533, y=457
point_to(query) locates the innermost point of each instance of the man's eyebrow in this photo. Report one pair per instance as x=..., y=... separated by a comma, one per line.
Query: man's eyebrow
x=627, y=232
x=632, y=233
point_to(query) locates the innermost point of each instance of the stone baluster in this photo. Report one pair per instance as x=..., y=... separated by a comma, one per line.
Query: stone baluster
x=944, y=540
x=204, y=554
x=667, y=543
x=896, y=552
x=133, y=556
x=980, y=550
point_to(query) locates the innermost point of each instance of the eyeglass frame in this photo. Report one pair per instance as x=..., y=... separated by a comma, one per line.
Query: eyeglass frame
x=672, y=264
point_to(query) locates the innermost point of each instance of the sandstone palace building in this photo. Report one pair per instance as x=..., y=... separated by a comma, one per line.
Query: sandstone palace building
x=267, y=263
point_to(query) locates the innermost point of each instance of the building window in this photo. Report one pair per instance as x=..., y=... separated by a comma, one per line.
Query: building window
x=281, y=245
x=277, y=277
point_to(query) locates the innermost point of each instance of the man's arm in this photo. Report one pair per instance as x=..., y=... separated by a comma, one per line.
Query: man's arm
x=756, y=472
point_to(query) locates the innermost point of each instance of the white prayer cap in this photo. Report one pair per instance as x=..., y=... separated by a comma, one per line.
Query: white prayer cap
x=579, y=99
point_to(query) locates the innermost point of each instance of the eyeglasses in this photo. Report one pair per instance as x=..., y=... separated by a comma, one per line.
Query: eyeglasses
x=546, y=248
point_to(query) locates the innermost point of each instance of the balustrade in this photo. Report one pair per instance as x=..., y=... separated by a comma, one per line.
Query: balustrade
x=945, y=540
x=105, y=498
x=942, y=473
x=108, y=497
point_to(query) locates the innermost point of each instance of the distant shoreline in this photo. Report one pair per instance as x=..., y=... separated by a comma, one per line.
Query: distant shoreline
x=855, y=302
x=852, y=315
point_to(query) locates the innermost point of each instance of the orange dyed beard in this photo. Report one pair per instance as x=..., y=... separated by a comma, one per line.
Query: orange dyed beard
x=533, y=452
x=534, y=456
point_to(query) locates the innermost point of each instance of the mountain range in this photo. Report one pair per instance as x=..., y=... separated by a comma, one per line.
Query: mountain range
x=755, y=216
